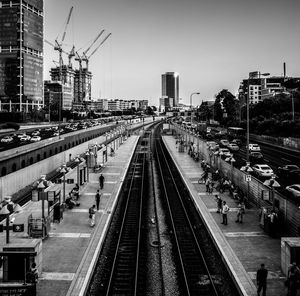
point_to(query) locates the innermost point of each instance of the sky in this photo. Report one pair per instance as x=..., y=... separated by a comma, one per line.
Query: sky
x=212, y=44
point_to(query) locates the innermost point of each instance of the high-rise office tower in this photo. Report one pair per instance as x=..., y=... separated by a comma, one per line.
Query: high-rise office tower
x=170, y=87
x=21, y=55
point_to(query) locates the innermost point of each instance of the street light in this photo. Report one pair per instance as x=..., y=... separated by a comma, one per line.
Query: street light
x=248, y=124
x=64, y=170
x=88, y=154
x=194, y=93
x=77, y=160
x=231, y=160
x=7, y=212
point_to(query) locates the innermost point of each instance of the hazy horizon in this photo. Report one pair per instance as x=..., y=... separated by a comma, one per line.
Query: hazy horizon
x=211, y=44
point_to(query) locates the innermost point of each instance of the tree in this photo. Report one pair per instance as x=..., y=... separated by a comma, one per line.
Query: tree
x=230, y=106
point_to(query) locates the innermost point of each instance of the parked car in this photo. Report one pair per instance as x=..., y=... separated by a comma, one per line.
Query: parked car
x=213, y=145
x=224, y=152
x=35, y=133
x=254, y=147
x=285, y=170
x=7, y=139
x=294, y=190
x=237, y=142
x=21, y=135
x=25, y=138
x=263, y=170
x=35, y=139
x=294, y=176
x=224, y=143
x=255, y=157
x=233, y=147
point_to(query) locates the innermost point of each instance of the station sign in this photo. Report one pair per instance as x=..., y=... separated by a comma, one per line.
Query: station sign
x=248, y=178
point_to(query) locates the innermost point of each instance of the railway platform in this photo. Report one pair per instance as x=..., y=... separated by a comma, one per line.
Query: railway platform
x=244, y=246
x=70, y=250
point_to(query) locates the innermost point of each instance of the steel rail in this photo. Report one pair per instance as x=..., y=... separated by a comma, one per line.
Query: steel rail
x=122, y=229
x=166, y=165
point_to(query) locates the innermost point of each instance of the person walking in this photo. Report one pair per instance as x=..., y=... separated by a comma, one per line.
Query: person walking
x=97, y=198
x=101, y=181
x=293, y=279
x=225, y=210
x=92, y=214
x=240, y=213
x=261, y=280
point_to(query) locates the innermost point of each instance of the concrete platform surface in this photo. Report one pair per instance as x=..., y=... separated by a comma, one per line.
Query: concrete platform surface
x=70, y=250
x=246, y=242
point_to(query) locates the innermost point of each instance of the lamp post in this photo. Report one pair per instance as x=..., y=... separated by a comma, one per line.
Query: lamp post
x=191, y=96
x=248, y=119
x=7, y=212
x=41, y=187
x=77, y=160
x=64, y=170
x=194, y=93
x=231, y=160
x=293, y=107
x=88, y=154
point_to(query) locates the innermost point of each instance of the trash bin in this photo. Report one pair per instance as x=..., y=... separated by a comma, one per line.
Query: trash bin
x=57, y=213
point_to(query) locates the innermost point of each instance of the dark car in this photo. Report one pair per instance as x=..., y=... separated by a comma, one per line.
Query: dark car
x=256, y=157
x=285, y=170
x=294, y=176
x=237, y=142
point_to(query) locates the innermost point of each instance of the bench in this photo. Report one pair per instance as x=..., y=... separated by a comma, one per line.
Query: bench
x=98, y=168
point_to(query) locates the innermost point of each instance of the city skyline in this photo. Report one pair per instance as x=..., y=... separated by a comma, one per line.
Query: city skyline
x=211, y=45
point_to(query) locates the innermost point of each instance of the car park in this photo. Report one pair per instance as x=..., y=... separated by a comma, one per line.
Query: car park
x=25, y=138
x=254, y=147
x=294, y=190
x=224, y=143
x=224, y=152
x=233, y=147
x=21, y=135
x=212, y=145
x=7, y=139
x=262, y=170
x=285, y=170
x=35, y=139
x=237, y=142
x=256, y=157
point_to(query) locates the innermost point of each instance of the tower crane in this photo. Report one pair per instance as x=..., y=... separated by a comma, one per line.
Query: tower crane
x=58, y=45
x=86, y=59
x=81, y=58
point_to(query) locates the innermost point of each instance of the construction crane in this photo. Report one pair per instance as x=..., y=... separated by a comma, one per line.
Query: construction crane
x=98, y=36
x=81, y=58
x=86, y=59
x=58, y=45
x=70, y=55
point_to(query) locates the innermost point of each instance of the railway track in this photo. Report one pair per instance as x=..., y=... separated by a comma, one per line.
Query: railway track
x=123, y=265
x=199, y=267
x=122, y=271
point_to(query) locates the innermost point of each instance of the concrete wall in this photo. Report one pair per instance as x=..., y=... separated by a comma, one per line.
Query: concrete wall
x=14, y=182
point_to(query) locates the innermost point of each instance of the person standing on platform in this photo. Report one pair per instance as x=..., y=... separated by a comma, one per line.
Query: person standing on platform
x=97, y=198
x=293, y=279
x=240, y=213
x=92, y=214
x=101, y=181
x=261, y=280
x=225, y=210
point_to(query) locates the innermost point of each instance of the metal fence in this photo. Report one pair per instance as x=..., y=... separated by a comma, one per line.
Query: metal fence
x=257, y=193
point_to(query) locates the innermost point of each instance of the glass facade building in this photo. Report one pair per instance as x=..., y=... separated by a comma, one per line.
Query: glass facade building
x=21, y=55
x=170, y=87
